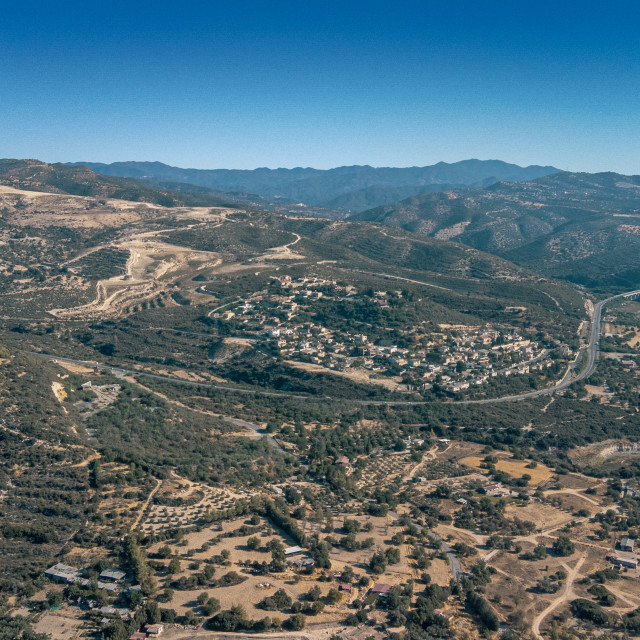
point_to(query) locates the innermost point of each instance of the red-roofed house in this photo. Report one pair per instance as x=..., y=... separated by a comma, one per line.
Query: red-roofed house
x=382, y=589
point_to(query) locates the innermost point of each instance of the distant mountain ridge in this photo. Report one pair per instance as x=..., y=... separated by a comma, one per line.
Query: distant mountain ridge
x=352, y=188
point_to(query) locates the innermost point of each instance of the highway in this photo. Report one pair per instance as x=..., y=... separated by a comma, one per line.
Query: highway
x=592, y=349
x=572, y=375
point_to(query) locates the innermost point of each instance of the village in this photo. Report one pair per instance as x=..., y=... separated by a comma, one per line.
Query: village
x=455, y=357
x=202, y=567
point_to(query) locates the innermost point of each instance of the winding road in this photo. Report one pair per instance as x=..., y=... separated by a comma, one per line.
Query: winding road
x=570, y=377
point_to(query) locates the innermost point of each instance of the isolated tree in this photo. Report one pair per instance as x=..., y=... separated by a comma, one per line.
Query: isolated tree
x=563, y=546
x=253, y=543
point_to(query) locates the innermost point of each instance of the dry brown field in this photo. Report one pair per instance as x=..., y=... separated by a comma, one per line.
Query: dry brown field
x=61, y=625
x=515, y=468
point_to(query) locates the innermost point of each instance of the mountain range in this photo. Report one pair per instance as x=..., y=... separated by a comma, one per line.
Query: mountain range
x=78, y=180
x=353, y=188
x=579, y=226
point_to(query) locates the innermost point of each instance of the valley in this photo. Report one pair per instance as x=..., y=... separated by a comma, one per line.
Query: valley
x=223, y=419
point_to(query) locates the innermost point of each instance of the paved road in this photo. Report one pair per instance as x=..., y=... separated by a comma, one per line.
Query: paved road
x=253, y=427
x=570, y=376
x=454, y=564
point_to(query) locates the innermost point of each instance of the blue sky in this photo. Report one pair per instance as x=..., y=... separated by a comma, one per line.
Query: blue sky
x=276, y=83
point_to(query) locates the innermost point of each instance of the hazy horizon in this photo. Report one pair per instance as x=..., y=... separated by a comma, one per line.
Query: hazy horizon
x=289, y=84
x=290, y=168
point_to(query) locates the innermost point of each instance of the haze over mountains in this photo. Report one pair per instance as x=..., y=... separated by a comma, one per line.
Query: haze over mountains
x=78, y=180
x=354, y=188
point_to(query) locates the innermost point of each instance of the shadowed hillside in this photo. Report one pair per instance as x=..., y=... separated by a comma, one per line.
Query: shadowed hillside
x=81, y=181
x=577, y=226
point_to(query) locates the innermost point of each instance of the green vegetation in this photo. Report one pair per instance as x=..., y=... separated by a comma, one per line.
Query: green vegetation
x=560, y=225
x=299, y=398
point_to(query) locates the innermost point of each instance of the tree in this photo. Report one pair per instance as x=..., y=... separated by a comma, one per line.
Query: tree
x=333, y=597
x=190, y=618
x=587, y=610
x=168, y=615
x=135, y=599
x=212, y=606
x=563, y=546
x=392, y=555
x=167, y=593
x=378, y=562
x=317, y=607
x=296, y=622
x=278, y=601
x=313, y=594
x=351, y=526
x=230, y=620
x=253, y=543
x=174, y=566
x=482, y=609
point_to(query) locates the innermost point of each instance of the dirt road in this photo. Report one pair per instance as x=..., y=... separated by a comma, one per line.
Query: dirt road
x=146, y=504
x=565, y=595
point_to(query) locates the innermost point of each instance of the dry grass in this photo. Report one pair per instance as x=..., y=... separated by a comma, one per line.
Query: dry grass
x=361, y=376
x=515, y=468
x=543, y=515
x=58, y=626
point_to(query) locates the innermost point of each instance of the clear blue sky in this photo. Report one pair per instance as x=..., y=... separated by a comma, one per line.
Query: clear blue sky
x=241, y=84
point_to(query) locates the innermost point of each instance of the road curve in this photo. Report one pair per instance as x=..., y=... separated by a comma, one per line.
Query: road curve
x=570, y=376
x=566, y=595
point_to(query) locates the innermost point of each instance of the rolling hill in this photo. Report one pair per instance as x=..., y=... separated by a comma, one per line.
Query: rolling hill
x=582, y=227
x=79, y=180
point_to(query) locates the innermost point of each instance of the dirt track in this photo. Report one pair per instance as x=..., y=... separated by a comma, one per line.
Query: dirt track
x=566, y=595
x=150, y=261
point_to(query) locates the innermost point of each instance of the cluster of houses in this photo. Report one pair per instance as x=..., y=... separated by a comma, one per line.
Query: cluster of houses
x=303, y=562
x=107, y=581
x=465, y=355
x=110, y=580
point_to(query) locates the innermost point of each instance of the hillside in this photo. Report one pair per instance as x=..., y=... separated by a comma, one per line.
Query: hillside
x=352, y=188
x=577, y=226
x=60, y=178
